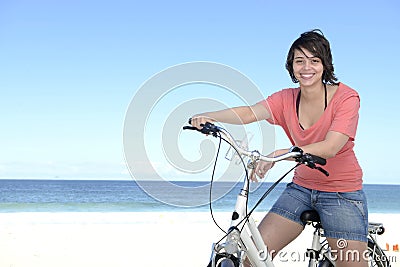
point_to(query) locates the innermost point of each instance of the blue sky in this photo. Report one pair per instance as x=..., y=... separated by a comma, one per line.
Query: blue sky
x=69, y=69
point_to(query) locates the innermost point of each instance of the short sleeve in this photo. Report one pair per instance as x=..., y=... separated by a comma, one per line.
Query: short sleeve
x=345, y=118
x=275, y=105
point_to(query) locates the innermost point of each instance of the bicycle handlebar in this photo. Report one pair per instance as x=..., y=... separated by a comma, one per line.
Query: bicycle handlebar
x=212, y=129
x=296, y=153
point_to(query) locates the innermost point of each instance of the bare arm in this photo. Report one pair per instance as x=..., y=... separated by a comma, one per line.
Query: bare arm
x=236, y=115
x=329, y=147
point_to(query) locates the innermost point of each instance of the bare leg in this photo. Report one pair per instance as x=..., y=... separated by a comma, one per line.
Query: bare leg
x=278, y=232
x=349, y=253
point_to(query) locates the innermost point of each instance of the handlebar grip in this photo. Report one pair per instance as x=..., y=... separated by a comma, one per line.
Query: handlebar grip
x=310, y=159
x=318, y=160
x=308, y=156
x=189, y=128
x=208, y=128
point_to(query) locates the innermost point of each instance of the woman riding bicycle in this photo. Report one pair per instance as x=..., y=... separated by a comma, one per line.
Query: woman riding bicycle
x=320, y=117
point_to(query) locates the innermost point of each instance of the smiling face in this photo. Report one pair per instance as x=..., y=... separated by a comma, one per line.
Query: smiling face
x=307, y=68
x=314, y=48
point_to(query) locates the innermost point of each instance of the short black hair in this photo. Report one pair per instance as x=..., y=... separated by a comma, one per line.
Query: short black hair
x=315, y=42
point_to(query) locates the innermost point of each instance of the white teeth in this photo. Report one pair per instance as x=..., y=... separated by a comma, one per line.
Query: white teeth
x=307, y=76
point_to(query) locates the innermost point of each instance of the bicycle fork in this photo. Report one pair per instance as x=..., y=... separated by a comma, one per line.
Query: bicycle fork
x=245, y=242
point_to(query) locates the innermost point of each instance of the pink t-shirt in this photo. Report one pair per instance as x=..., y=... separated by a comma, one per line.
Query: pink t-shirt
x=341, y=115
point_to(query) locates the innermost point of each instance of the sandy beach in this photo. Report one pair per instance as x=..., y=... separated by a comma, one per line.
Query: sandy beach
x=144, y=239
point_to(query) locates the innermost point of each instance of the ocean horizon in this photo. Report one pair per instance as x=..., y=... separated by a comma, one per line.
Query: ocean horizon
x=56, y=195
x=120, y=179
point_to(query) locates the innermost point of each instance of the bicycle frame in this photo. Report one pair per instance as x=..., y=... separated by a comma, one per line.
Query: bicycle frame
x=318, y=250
x=249, y=243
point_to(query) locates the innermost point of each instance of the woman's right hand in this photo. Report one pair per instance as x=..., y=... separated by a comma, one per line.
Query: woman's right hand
x=200, y=119
x=261, y=169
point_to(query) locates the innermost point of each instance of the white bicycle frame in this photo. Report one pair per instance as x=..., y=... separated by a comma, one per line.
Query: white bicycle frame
x=248, y=243
x=244, y=239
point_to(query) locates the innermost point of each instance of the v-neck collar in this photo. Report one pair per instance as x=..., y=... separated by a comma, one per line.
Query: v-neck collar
x=320, y=118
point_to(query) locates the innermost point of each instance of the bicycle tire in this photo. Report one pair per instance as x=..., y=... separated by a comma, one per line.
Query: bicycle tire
x=226, y=263
x=225, y=260
x=377, y=256
x=325, y=263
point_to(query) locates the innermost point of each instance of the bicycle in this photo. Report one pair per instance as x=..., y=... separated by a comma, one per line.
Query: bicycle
x=243, y=240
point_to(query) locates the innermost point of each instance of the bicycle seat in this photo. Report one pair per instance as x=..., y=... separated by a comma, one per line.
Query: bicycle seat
x=310, y=216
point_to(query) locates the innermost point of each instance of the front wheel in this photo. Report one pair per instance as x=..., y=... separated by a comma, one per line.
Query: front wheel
x=226, y=263
x=225, y=260
x=325, y=263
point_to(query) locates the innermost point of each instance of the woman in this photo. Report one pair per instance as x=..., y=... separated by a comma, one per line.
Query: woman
x=320, y=117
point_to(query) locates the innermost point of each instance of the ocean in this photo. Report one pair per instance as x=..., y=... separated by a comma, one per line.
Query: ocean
x=151, y=196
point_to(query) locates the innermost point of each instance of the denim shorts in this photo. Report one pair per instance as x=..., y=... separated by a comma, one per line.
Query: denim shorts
x=343, y=215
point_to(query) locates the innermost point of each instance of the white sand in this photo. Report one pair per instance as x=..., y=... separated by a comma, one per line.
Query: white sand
x=132, y=239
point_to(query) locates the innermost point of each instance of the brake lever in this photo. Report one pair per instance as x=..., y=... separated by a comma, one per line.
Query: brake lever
x=307, y=160
x=208, y=128
x=312, y=165
x=323, y=171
